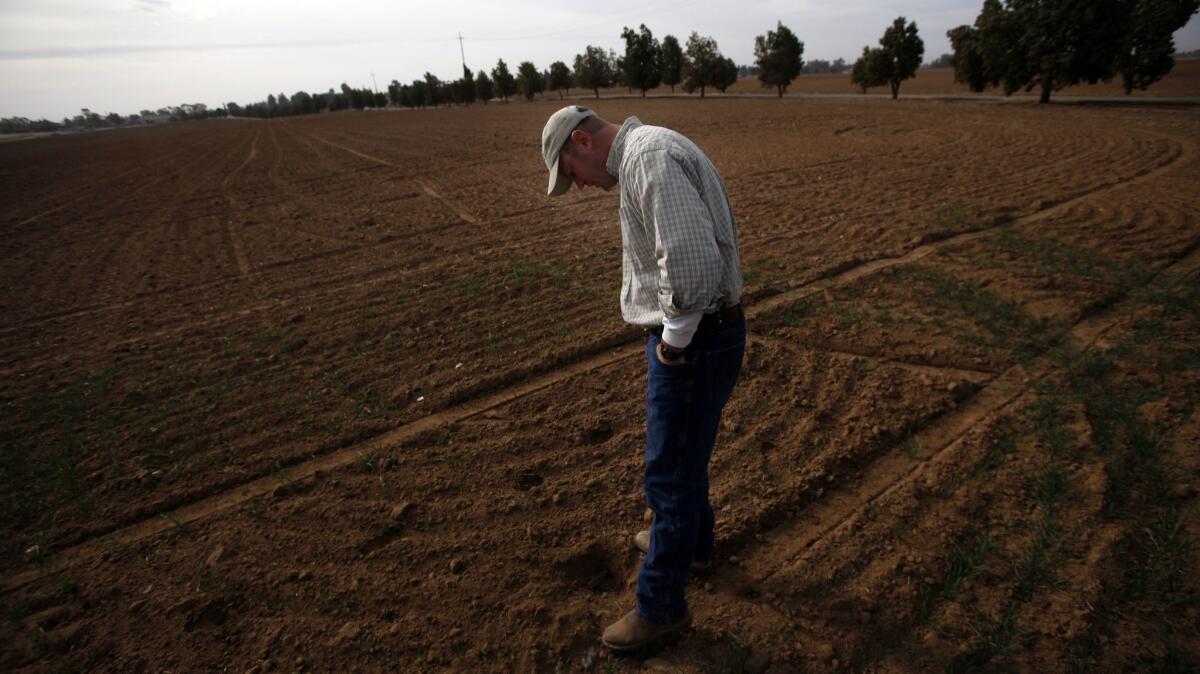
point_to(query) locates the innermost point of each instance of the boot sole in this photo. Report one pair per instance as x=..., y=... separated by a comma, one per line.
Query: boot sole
x=673, y=630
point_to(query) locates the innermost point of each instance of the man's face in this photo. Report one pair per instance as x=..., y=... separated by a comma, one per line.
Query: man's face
x=583, y=163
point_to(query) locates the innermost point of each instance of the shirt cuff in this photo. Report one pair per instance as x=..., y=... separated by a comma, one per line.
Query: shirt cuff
x=678, y=331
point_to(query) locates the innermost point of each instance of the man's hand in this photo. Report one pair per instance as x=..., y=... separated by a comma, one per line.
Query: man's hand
x=669, y=355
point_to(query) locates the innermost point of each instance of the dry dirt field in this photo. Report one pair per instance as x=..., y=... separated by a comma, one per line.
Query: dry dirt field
x=348, y=393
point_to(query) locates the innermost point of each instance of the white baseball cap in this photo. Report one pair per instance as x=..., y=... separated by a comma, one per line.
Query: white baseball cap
x=554, y=135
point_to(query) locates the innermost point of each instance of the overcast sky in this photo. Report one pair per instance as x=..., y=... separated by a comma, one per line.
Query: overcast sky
x=57, y=56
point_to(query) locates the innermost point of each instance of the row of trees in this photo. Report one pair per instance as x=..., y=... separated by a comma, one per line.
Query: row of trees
x=645, y=64
x=1051, y=44
x=648, y=63
x=88, y=120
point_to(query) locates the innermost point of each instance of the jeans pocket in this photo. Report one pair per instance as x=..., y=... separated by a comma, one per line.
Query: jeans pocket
x=661, y=370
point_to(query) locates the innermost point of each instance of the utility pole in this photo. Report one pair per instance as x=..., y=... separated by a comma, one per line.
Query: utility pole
x=374, y=84
x=461, y=51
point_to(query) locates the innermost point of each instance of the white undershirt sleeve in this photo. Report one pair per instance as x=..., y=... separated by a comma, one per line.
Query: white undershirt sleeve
x=678, y=331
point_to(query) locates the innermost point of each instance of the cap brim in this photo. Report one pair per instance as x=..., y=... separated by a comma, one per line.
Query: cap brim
x=559, y=184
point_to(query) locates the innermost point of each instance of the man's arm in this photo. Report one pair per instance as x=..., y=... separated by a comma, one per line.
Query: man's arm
x=678, y=330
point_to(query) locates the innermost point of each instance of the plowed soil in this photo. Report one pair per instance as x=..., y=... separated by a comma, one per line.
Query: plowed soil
x=349, y=393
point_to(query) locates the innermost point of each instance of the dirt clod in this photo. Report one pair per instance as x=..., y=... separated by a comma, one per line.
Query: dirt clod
x=348, y=632
x=1183, y=491
x=401, y=511
x=65, y=638
x=216, y=557
x=528, y=480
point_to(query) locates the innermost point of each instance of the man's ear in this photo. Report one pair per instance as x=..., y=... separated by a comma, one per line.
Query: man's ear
x=581, y=137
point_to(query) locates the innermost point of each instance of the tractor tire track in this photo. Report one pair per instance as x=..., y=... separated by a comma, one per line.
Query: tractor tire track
x=235, y=237
x=458, y=209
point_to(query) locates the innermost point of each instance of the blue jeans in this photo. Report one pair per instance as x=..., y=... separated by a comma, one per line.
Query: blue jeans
x=683, y=405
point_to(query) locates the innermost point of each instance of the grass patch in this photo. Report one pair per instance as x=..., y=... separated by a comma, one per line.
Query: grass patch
x=1034, y=568
x=1048, y=421
x=525, y=273
x=997, y=450
x=469, y=286
x=989, y=643
x=794, y=315
x=366, y=462
x=1006, y=324
x=964, y=563
x=43, y=442
x=1150, y=586
x=1161, y=554
x=1051, y=256
x=948, y=219
x=734, y=658
x=1049, y=488
x=767, y=273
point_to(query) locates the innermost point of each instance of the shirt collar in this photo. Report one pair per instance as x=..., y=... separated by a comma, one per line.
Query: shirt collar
x=617, y=151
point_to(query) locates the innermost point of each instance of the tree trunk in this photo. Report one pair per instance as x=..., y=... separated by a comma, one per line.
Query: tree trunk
x=1047, y=87
x=781, y=87
x=895, y=90
x=701, y=91
x=672, y=88
x=643, y=93
x=597, y=92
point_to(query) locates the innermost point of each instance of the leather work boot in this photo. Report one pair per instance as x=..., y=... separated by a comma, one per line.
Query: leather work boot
x=641, y=541
x=633, y=631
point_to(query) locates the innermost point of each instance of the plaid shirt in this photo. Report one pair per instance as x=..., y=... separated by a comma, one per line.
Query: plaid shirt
x=677, y=228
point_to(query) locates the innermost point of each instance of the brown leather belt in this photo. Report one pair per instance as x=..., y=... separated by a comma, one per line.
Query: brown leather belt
x=722, y=316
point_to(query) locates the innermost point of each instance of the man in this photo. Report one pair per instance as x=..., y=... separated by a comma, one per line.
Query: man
x=682, y=282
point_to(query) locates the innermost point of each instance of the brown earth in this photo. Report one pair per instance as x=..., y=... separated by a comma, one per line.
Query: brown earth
x=348, y=392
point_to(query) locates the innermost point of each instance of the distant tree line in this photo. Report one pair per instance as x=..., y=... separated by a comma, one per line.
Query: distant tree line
x=87, y=120
x=645, y=64
x=820, y=67
x=943, y=61
x=1051, y=44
